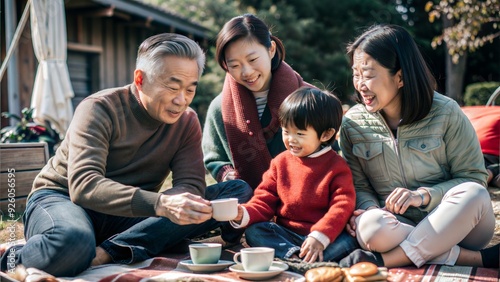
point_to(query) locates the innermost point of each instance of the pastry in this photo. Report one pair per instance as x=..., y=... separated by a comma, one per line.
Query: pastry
x=363, y=269
x=380, y=275
x=324, y=274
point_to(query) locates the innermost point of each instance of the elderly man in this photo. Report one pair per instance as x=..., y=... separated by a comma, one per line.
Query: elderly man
x=97, y=200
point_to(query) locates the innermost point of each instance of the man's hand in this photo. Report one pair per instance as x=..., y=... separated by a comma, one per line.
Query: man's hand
x=184, y=208
x=311, y=250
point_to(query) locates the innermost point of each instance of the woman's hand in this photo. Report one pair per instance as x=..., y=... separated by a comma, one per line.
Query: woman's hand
x=401, y=199
x=351, y=225
x=184, y=208
x=311, y=250
x=232, y=175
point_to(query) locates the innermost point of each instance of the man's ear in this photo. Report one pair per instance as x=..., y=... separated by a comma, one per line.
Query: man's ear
x=138, y=79
x=327, y=135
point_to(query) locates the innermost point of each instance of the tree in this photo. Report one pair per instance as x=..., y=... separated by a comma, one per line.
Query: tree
x=467, y=26
x=315, y=35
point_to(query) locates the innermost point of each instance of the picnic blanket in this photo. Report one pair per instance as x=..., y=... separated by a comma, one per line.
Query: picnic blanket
x=168, y=269
x=443, y=273
x=161, y=269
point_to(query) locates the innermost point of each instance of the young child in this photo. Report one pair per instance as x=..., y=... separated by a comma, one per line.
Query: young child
x=308, y=187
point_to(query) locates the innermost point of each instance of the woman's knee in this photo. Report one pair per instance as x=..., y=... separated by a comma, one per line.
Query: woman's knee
x=379, y=230
x=469, y=193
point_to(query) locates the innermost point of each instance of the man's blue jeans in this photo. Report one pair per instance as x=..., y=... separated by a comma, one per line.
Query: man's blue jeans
x=286, y=242
x=62, y=236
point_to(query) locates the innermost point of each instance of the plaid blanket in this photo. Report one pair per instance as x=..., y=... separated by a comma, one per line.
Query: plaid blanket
x=442, y=273
x=168, y=268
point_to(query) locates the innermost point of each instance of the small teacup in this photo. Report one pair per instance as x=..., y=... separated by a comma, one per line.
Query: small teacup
x=205, y=253
x=225, y=209
x=255, y=259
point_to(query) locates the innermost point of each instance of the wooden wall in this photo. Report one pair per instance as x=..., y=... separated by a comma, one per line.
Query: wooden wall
x=112, y=40
x=26, y=62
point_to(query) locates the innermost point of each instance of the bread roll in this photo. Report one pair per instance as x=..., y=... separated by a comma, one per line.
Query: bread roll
x=324, y=274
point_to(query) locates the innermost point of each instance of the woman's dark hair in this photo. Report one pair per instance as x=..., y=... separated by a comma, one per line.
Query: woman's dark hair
x=394, y=48
x=309, y=106
x=250, y=27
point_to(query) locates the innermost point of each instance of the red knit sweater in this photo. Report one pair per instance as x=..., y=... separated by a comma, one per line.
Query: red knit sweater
x=305, y=194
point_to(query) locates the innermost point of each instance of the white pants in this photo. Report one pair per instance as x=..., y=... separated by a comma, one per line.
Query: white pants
x=464, y=218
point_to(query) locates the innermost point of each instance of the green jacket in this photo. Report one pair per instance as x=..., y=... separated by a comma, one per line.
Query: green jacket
x=438, y=152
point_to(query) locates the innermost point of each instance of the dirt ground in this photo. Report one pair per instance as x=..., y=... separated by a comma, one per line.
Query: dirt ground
x=10, y=231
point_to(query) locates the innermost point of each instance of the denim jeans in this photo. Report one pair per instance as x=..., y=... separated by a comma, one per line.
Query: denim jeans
x=62, y=236
x=286, y=242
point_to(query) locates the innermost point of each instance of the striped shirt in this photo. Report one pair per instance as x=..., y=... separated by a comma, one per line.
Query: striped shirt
x=261, y=101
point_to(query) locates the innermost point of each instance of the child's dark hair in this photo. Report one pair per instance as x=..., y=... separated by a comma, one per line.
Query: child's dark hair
x=309, y=106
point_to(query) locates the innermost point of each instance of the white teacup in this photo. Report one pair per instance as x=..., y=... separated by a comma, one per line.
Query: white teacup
x=205, y=253
x=255, y=259
x=225, y=209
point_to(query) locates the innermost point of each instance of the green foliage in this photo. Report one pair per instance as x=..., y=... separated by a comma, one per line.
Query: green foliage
x=479, y=93
x=316, y=33
x=28, y=131
x=468, y=18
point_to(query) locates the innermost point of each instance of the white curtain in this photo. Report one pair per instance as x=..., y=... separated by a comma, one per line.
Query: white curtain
x=52, y=91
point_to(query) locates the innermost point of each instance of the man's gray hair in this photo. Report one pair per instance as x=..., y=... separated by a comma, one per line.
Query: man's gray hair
x=152, y=51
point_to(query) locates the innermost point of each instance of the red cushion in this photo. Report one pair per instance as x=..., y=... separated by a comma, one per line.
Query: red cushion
x=486, y=122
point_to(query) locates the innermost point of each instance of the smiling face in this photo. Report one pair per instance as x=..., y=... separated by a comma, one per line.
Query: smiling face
x=377, y=86
x=249, y=63
x=167, y=96
x=302, y=143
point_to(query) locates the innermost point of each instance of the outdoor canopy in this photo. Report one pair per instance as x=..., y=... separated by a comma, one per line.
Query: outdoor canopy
x=52, y=91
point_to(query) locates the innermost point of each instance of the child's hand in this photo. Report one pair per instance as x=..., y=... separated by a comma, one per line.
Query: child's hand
x=239, y=217
x=351, y=224
x=311, y=250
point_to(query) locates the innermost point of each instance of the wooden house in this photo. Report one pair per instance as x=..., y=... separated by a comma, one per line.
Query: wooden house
x=103, y=37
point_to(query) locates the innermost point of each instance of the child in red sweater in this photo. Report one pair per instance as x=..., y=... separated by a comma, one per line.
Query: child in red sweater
x=308, y=188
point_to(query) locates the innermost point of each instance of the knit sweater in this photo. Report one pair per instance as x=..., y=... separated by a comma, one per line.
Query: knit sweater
x=115, y=157
x=305, y=194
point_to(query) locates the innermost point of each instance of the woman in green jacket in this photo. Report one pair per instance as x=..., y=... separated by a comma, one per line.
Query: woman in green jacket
x=416, y=162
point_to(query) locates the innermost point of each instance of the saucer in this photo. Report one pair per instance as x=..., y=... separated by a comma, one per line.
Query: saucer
x=222, y=264
x=275, y=269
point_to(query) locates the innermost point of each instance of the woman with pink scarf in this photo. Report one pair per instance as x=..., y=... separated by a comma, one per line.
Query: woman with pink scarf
x=242, y=132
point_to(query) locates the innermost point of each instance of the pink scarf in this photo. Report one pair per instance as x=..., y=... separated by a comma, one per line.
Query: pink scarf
x=246, y=137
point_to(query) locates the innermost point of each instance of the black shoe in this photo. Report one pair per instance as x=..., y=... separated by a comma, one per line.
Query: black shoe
x=490, y=256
